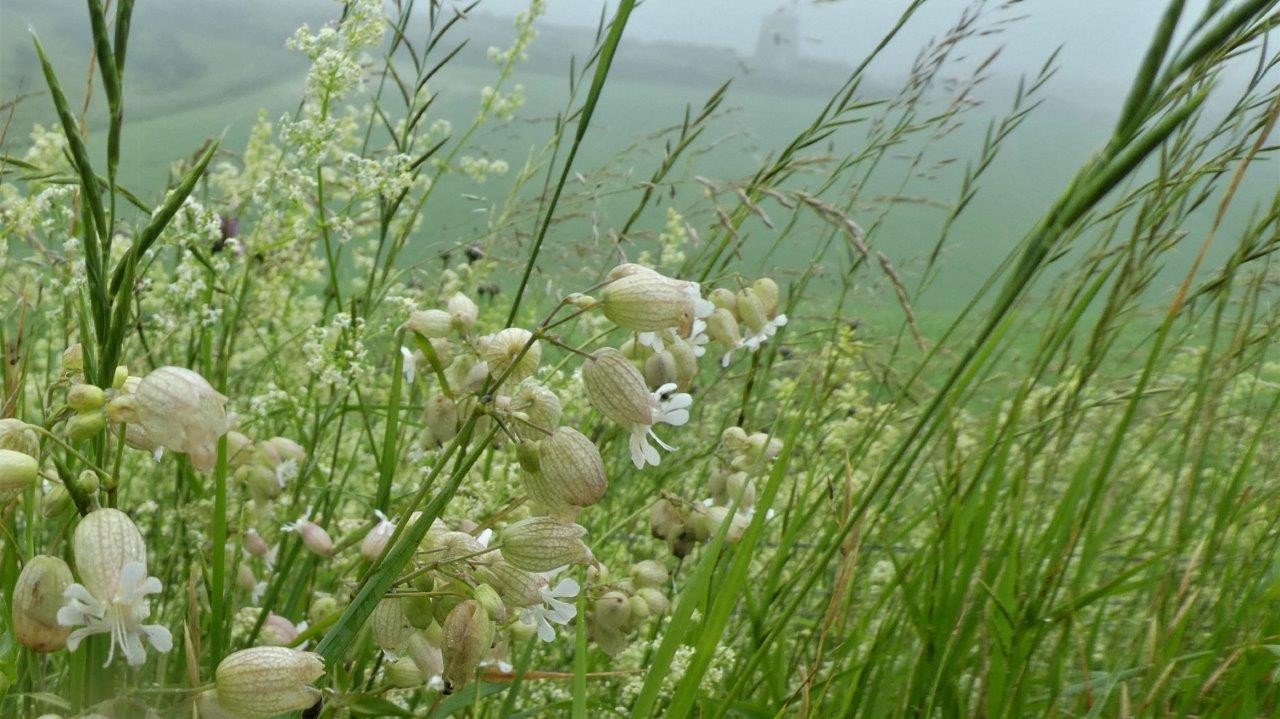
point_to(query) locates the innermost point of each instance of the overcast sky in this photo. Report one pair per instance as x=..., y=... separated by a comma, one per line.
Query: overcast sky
x=1103, y=40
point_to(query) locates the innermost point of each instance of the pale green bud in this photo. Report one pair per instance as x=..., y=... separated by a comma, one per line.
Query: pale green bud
x=751, y=310
x=660, y=369
x=18, y=471
x=649, y=573
x=492, y=603
x=724, y=299
x=463, y=311
x=722, y=327
x=85, y=397
x=73, y=359
x=403, y=673
x=768, y=292
x=82, y=426
x=440, y=416
x=655, y=599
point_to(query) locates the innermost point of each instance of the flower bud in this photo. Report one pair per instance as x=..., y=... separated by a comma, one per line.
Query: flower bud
x=660, y=369
x=85, y=397
x=313, y=536
x=443, y=350
x=37, y=597
x=751, y=310
x=322, y=607
x=435, y=324
x=85, y=425
x=466, y=635
x=649, y=573
x=492, y=603
x=655, y=599
x=120, y=377
x=647, y=302
x=724, y=299
x=722, y=327
x=278, y=631
x=686, y=359
x=278, y=450
x=540, y=544
x=55, y=501
x=18, y=471
x=613, y=610
x=255, y=544
x=245, y=579
x=570, y=471
x=463, y=311
x=617, y=389
x=19, y=437
x=263, y=682
x=441, y=418
x=373, y=544
x=768, y=292
x=502, y=350
x=640, y=610
x=73, y=359
x=240, y=449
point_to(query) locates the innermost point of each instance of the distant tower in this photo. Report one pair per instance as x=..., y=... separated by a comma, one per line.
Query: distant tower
x=778, y=47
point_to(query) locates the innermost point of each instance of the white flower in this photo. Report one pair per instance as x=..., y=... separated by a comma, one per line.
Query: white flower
x=753, y=342
x=667, y=407
x=553, y=609
x=120, y=615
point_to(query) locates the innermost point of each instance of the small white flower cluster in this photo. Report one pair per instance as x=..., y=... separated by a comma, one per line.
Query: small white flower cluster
x=335, y=353
x=479, y=168
x=503, y=105
x=525, y=35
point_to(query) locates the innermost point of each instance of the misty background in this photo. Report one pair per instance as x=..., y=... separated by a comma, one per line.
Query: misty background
x=202, y=68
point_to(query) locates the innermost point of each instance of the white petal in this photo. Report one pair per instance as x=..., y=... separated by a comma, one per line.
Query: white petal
x=546, y=632
x=567, y=587
x=159, y=637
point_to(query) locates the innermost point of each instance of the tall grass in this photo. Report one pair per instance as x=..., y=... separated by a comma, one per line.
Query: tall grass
x=1057, y=502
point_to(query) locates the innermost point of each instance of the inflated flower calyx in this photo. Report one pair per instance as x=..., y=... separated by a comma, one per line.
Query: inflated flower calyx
x=660, y=369
x=278, y=631
x=537, y=409
x=178, y=410
x=540, y=544
x=389, y=625
x=424, y=651
x=517, y=587
x=432, y=324
x=403, y=673
x=613, y=610
x=322, y=608
x=724, y=299
x=463, y=311
x=18, y=472
x=655, y=599
x=240, y=449
x=722, y=327
x=56, y=501
x=440, y=417
x=263, y=682
x=37, y=597
x=466, y=636
x=19, y=437
x=686, y=359
x=617, y=389
x=645, y=301
x=245, y=580
x=111, y=598
x=505, y=352
x=649, y=573
x=751, y=310
x=569, y=470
